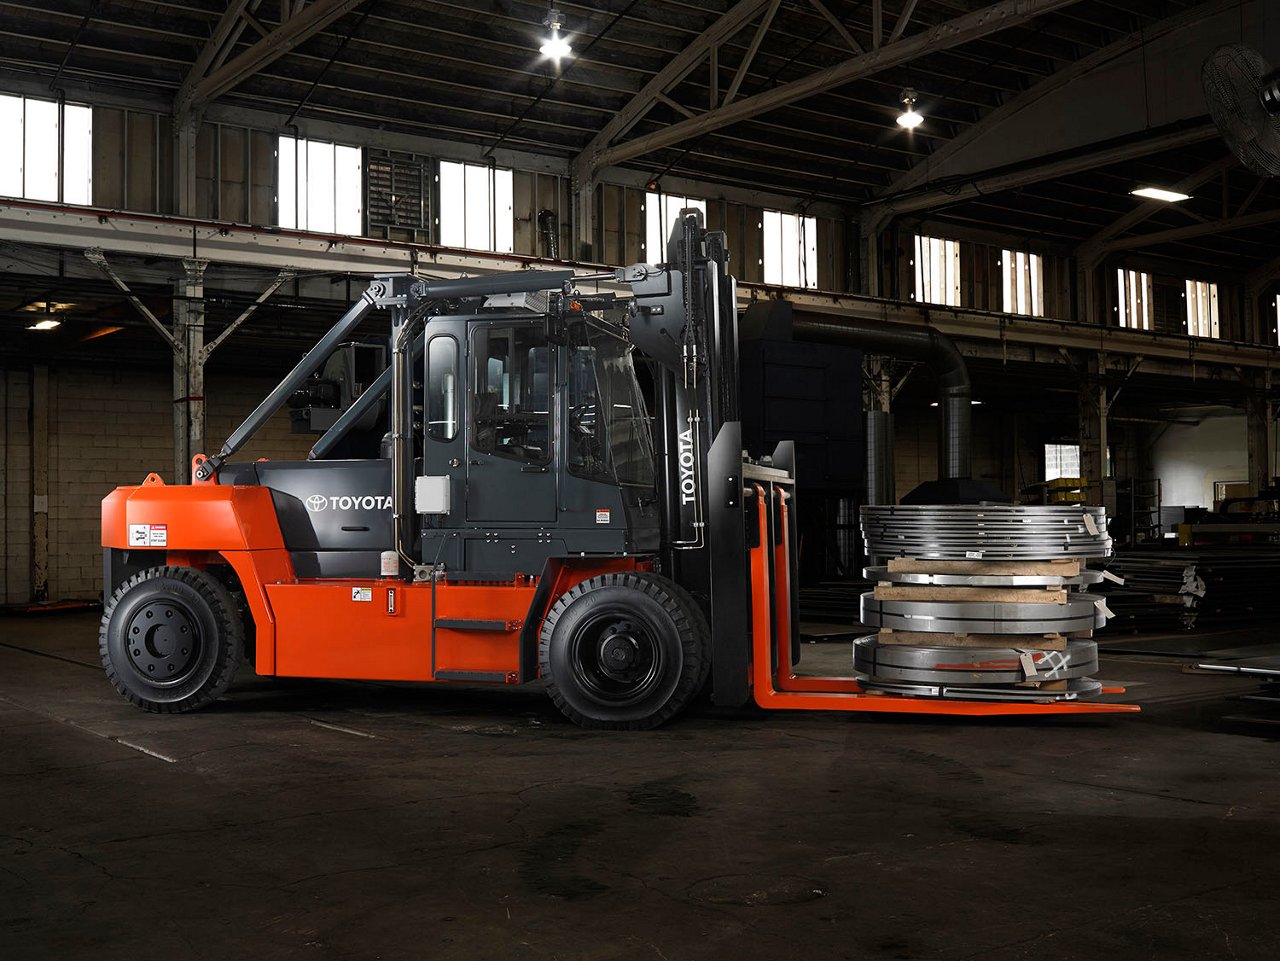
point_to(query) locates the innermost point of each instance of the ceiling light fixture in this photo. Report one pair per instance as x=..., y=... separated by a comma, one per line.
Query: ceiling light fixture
x=555, y=46
x=909, y=119
x=49, y=323
x=1160, y=193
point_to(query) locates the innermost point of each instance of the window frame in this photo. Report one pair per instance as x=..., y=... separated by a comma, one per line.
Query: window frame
x=475, y=381
x=498, y=191
x=452, y=406
x=1201, y=314
x=1134, y=296
x=658, y=231
x=60, y=148
x=946, y=271
x=300, y=205
x=805, y=237
x=1022, y=282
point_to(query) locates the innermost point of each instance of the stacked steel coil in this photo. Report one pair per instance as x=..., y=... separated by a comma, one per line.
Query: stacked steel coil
x=980, y=532
x=982, y=602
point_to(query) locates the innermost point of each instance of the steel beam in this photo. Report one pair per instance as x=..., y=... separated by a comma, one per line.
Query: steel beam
x=225, y=34
x=752, y=49
x=1194, y=230
x=904, y=19
x=585, y=164
x=953, y=33
x=282, y=278
x=294, y=31
x=839, y=27
x=1090, y=251
x=1035, y=172
x=1259, y=277
x=96, y=257
x=925, y=170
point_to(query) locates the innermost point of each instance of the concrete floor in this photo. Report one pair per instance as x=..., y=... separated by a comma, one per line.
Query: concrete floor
x=317, y=820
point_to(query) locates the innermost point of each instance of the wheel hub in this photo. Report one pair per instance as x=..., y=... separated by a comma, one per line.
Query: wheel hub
x=619, y=655
x=163, y=642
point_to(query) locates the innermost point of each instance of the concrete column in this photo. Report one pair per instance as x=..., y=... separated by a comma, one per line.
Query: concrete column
x=39, y=483
x=1258, y=416
x=584, y=218
x=1093, y=424
x=188, y=368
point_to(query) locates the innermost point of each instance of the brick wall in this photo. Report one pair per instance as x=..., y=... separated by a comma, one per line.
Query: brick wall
x=106, y=427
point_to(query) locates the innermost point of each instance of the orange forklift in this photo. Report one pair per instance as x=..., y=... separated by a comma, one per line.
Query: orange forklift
x=526, y=516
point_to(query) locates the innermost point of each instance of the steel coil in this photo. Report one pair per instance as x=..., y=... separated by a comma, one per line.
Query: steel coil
x=972, y=666
x=979, y=532
x=1081, y=612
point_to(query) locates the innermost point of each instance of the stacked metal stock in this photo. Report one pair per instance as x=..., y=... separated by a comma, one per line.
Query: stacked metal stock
x=982, y=602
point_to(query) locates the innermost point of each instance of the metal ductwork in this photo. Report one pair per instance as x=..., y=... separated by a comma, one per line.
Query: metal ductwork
x=908, y=343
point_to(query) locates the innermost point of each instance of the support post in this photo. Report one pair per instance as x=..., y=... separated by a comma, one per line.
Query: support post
x=186, y=127
x=188, y=368
x=1258, y=416
x=39, y=483
x=1093, y=426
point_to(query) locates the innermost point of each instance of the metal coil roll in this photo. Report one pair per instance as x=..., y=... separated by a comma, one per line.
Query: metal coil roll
x=980, y=532
x=972, y=666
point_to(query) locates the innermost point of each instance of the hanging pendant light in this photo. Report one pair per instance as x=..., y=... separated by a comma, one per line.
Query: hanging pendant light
x=555, y=46
x=909, y=119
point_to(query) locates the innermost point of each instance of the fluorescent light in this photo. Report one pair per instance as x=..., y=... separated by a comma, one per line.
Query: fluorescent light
x=974, y=403
x=1160, y=193
x=47, y=324
x=555, y=47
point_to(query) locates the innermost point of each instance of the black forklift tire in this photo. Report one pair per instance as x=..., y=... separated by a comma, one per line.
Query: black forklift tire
x=171, y=639
x=624, y=651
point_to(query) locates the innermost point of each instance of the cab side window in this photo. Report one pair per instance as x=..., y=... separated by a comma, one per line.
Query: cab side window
x=442, y=388
x=510, y=406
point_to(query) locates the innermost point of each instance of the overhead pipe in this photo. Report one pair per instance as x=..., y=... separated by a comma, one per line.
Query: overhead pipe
x=925, y=345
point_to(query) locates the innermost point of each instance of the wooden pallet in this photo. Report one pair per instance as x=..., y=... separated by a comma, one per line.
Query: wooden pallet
x=885, y=591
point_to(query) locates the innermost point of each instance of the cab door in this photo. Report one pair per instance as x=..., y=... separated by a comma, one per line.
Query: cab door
x=445, y=451
x=511, y=407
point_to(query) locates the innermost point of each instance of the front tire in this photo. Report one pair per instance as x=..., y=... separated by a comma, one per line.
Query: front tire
x=623, y=651
x=171, y=639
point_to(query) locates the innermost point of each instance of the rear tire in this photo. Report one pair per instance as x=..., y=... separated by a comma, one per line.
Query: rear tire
x=623, y=651
x=171, y=639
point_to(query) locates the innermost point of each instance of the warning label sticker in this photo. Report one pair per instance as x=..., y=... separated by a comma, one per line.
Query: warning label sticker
x=362, y=593
x=148, y=535
x=602, y=517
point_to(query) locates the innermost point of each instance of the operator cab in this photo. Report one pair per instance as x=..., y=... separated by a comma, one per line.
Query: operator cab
x=545, y=441
x=539, y=432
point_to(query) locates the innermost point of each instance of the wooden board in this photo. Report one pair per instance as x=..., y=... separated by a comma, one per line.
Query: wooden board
x=1046, y=685
x=1029, y=642
x=991, y=595
x=1068, y=567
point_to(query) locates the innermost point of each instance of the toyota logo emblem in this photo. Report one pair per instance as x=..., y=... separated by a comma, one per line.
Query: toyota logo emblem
x=317, y=502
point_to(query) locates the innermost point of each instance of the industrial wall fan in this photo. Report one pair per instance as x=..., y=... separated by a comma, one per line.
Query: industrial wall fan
x=1243, y=94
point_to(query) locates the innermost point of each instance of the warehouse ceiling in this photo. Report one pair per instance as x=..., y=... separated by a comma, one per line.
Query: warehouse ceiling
x=805, y=95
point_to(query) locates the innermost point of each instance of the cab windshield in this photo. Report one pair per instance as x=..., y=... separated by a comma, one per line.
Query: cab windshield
x=609, y=432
